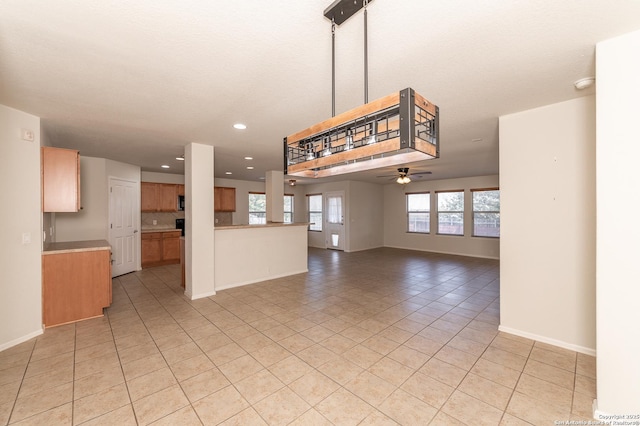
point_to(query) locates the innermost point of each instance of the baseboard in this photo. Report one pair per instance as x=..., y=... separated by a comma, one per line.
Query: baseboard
x=199, y=296
x=445, y=252
x=548, y=340
x=21, y=339
x=259, y=280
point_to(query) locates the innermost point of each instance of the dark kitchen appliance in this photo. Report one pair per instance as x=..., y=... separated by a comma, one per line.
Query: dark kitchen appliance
x=180, y=225
x=180, y=203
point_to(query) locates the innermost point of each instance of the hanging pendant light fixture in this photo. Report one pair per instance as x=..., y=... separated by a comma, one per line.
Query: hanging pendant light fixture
x=400, y=128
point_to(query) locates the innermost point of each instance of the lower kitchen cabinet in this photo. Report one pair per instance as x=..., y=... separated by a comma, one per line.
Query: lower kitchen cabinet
x=76, y=285
x=151, y=249
x=171, y=246
x=160, y=248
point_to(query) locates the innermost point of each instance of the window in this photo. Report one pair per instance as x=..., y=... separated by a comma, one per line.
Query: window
x=334, y=209
x=451, y=212
x=257, y=208
x=315, y=212
x=418, y=212
x=486, y=212
x=288, y=208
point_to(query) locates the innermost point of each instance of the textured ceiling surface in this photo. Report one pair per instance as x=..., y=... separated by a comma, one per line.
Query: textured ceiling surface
x=135, y=81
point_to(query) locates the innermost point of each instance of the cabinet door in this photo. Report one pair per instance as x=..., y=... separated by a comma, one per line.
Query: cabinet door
x=229, y=199
x=151, y=248
x=224, y=199
x=168, y=197
x=75, y=286
x=180, y=189
x=171, y=246
x=149, y=195
x=60, y=180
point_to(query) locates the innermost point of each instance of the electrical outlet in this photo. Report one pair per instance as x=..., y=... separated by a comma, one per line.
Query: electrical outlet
x=28, y=135
x=26, y=238
x=154, y=222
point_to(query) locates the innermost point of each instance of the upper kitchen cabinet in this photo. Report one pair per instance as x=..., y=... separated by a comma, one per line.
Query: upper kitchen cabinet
x=168, y=197
x=224, y=199
x=149, y=196
x=158, y=197
x=180, y=189
x=60, y=180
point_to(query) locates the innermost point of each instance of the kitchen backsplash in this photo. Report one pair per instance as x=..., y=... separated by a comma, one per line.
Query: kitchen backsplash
x=224, y=218
x=163, y=220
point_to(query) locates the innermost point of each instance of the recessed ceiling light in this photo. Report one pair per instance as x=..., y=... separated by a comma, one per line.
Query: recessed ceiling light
x=164, y=166
x=249, y=167
x=248, y=158
x=239, y=126
x=181, y=158
x=228, y=173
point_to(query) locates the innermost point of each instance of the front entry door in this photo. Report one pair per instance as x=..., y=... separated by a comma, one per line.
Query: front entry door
x=334, y=220
x=123, y=229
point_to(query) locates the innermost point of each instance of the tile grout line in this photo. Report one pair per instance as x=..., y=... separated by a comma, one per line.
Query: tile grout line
x=24, y=375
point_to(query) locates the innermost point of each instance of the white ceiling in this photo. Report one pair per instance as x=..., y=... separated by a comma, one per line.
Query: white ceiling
x=135, y=81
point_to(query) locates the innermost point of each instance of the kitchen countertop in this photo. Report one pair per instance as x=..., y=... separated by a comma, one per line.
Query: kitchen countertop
x=266, y=225
x=148, y=230
x=76, y=246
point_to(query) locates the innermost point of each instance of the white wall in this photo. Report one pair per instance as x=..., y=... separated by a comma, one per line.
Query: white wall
x=21, y=284
x=618, y=264
x=253, y=254
x=92, y=221
x=123, y=171
x=395, y=219
x=366, y=216
x=547, y=245
x=161, y=177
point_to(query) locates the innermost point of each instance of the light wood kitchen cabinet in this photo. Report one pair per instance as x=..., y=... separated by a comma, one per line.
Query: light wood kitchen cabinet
x=160, y=248
x=75, y=285
x=151, y=248
x=149, y=196
x=171, y=246
x=60, y=179
x=180, y=189
x=168, y=197
x=158, y=197
x=224, y=199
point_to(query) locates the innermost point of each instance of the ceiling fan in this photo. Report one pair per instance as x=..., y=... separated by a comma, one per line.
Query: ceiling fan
x=402, y=176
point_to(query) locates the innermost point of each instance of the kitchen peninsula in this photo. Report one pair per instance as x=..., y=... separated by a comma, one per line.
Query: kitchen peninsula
x=246, y=254
x=76, y=280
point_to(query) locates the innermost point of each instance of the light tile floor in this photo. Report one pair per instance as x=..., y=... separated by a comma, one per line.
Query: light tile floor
x=380, y=337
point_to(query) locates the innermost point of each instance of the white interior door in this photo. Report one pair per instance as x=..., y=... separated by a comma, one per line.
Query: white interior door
x=124, y=219
x=334, y=220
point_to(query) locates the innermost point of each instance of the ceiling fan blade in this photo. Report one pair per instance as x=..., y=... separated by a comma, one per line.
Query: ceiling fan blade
x=419, y=173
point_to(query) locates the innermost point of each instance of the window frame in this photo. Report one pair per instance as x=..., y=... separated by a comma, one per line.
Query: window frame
x=252, y=211
x=409, y=212
x=309, y=212
x=460, y=212
x=473, y=212
x=292, y=208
